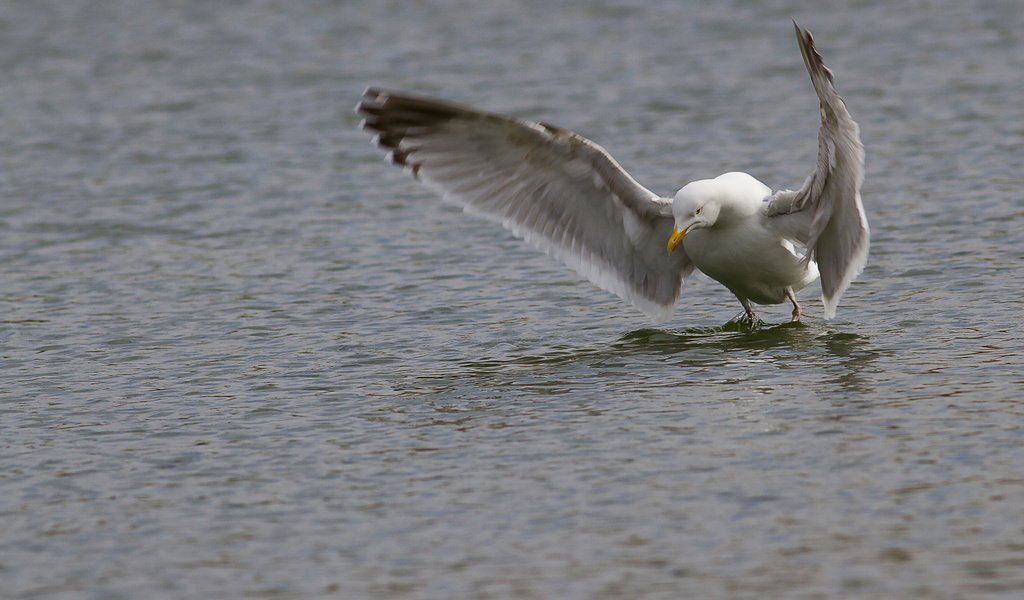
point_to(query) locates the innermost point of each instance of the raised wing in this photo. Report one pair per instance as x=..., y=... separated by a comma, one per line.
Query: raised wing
x=557, y=190
x=826, y=214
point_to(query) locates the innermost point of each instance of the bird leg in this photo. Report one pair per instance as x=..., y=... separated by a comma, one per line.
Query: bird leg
x=750, y=311
x=796, y=307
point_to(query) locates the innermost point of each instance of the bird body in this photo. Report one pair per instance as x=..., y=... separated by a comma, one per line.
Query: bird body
x=751, y=261
x=731, y=240
x=565, y=195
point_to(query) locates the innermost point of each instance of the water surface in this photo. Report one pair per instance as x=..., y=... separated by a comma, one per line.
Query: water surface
x=243, y=357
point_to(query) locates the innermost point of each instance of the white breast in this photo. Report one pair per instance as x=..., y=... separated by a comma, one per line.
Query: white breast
x=749, y=260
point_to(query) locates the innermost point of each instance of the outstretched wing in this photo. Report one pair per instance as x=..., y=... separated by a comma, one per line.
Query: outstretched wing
x=557, y=190
x=826, y=214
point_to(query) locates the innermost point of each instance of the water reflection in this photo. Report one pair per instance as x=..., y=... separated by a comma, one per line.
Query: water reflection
x=843, y=359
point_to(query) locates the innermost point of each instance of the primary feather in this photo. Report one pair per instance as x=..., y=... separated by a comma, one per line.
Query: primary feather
x=557, y=190
x=826, y=214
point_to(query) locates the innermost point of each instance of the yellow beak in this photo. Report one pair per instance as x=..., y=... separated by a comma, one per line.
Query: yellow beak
x=677, y=238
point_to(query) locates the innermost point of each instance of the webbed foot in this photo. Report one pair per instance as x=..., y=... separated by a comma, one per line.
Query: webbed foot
x=745, y=321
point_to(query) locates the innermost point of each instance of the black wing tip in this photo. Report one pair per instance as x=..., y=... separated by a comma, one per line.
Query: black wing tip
x=388, y=115
x=400, y=158
x=375, y=95
x=803, y=35
x=387, y=110
x=372, y=97
x=369, y=107
x=812, y=58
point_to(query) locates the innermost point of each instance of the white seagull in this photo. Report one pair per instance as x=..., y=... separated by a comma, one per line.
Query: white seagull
x=567, y=196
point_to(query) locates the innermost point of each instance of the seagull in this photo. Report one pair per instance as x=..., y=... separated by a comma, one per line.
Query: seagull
x=565, y=195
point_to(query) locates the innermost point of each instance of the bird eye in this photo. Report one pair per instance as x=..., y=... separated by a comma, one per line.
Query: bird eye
x=697, y=212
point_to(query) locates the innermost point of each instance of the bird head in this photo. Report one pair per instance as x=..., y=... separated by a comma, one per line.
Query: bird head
x=701, y=204
x=694, y=207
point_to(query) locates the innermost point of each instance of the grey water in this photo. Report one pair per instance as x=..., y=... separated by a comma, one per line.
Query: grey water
x=243, y=357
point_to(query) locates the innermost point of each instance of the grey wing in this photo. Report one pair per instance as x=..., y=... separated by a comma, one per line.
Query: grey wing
x=557, y=190
x=826, y=214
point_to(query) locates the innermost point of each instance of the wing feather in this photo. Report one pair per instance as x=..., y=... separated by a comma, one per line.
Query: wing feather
x=555, y=189
x=826, y=214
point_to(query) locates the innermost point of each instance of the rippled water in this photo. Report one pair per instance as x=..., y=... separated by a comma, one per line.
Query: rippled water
x=243, y=357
